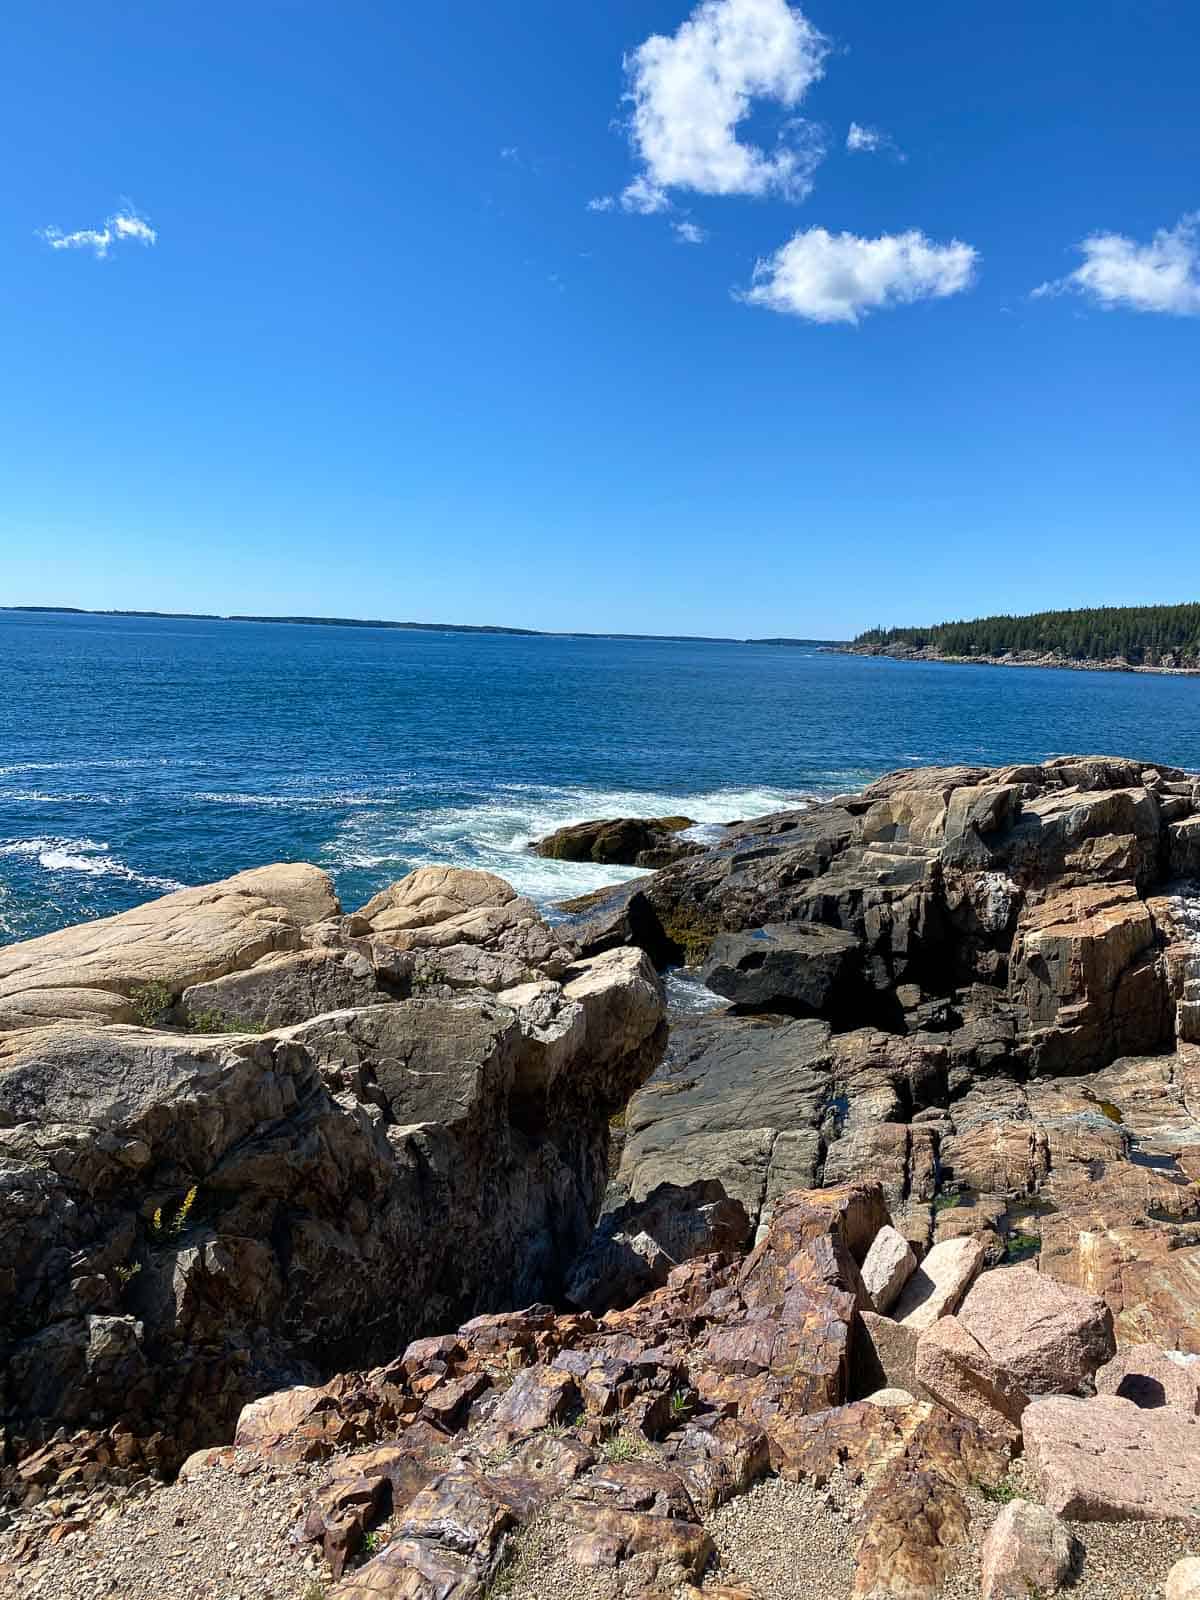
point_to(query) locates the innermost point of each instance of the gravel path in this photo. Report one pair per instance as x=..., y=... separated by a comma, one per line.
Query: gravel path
x=225, y=1536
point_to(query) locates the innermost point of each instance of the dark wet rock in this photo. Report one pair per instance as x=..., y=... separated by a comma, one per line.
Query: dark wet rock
x=621, y=842
x=799, y=968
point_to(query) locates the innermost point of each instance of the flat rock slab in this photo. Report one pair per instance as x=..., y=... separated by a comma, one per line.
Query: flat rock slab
x=1105, y=1460
x=937, y=1287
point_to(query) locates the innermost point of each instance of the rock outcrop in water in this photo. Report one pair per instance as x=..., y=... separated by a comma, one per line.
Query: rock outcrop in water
x=621, y=842
x=191, y=1218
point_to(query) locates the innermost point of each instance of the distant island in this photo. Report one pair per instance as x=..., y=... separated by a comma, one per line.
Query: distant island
x=414, y=627
x=1101, y=639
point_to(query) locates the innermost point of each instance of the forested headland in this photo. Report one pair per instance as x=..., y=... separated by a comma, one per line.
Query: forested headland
x=1142, y=636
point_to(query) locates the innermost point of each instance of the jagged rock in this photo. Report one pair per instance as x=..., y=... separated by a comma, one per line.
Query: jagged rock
x=623, y=841
x=1104, y=1460
x=1152, y=1377
x=192, y=1220
x=937, y=1287
x=737, y=1101
x=606, y=918
x=636, y=1247
x=799, y=968
x=1027, y=1551
x=1086, y=980
x=888, y=1266
x=98, y=972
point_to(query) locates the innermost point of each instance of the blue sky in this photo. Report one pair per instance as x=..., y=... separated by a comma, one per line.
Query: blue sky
x=587, y=316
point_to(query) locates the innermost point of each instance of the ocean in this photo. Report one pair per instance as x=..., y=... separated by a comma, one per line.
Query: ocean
x=141, y=754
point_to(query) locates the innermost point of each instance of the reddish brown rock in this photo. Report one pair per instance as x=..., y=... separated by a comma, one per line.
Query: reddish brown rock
x=539, y=1396
x=910, y=1532
x=632, y=1533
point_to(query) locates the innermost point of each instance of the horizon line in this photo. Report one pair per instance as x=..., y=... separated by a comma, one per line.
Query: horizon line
x=496, y=629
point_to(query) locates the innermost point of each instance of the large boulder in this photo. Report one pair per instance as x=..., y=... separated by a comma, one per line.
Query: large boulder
x=134, y=966
x=1049, y=1338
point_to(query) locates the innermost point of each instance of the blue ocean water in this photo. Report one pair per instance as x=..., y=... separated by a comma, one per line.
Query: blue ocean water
x=137, y=754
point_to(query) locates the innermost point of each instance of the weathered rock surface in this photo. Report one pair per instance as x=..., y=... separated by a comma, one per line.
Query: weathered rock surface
x=1049, y=1337
x=1019, y=947
x=1105, y=1459
x=1027, y=1551
x=96, y=972
x=189, y=1220
x=802, y=968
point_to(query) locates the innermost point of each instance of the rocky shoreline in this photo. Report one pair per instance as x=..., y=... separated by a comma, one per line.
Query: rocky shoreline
x=419, y=1229
x=1012, y=658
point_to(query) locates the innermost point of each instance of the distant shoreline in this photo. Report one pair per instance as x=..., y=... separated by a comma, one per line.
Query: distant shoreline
x=415, y=627
x=1028, y=658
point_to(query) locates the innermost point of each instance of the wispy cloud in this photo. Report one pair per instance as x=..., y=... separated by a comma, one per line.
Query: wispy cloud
x=602, y=202
x=510, y=152
x=861, y=140
x=644, y=197
x=826, y=277
x=691, y=90
x=1117, y=271
x=123, y=226
x=689, y=232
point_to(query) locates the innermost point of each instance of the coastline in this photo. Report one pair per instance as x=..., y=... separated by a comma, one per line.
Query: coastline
x=1030, y=658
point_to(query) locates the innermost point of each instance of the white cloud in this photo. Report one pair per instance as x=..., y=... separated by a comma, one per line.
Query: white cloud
x=1162, y=276
x=644, y=197
x=602, y=202
x=860, y=138
x=123, y=225
x=689, y=233
x=691, y=90
x=829, y=277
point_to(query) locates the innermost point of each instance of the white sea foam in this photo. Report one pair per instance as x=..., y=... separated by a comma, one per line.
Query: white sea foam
x=494, y=830
x=88, y=856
